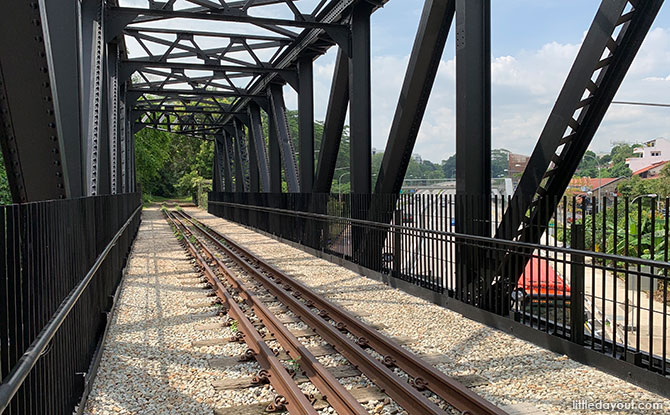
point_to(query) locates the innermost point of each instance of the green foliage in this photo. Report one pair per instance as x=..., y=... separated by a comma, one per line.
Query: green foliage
x=449, y=167
x=171, y=165
x=5, y=194
x=651, y=233
x=612, y=165
x=499, y=163
x=635, y=186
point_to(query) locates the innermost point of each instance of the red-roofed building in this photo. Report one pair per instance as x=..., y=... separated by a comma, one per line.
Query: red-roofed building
x=650, y=171
x=590, y=186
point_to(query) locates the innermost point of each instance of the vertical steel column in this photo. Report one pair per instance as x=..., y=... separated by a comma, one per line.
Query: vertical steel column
x=227, y=161
x=473, y=141
x=258, y=141
x=239, y=173
x=132, y=170
x=241, y=158
x=114, y=138
x=254, y=175
x=360, y=115
x=275, y=155
x=93, y=47
x=334, y=125
x=473, y=114
x=306, y=123
x=217, y=179
x=284, y=138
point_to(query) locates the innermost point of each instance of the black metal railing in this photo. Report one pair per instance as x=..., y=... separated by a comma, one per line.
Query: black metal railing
x=600, y=266
x=61, y=263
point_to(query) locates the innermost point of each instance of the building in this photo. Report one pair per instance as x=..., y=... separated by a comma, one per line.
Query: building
x=652, y=171
x=517, y=164
x=649, y=153
x=589, y=186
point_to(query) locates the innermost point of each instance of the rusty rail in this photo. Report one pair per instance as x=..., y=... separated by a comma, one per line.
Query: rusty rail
x=331, y=389
x=290, y=395
x=424, y=375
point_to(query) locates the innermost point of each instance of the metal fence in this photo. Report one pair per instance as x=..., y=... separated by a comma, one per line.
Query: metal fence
x=595, y=275
x=61, y=262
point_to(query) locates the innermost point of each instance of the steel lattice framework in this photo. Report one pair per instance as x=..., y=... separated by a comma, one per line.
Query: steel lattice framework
x=77, y=80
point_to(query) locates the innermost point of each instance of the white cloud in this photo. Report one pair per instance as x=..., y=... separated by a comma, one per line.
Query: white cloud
x=524, y=88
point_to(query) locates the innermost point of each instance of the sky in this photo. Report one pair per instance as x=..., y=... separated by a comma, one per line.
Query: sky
x=533, y=45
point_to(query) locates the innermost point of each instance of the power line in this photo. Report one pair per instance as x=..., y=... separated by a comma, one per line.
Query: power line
x=646, y=104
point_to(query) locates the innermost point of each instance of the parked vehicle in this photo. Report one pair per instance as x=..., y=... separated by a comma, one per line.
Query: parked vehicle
x=539, y=281
x=407, y=217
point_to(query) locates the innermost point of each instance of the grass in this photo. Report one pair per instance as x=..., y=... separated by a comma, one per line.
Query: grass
x=149, y=199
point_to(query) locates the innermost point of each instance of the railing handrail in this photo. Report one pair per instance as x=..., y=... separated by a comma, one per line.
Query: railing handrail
x=514, y=244
x=25, y=364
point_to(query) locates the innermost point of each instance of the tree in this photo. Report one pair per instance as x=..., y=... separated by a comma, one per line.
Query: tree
x=500, y=163
x=449, y=167
x=5, y=193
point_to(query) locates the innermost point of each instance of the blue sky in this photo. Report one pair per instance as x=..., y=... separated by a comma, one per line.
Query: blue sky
x=533, y=45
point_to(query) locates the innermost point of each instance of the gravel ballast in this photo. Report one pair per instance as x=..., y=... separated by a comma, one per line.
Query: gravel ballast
x=149, y=365
x=520, y=376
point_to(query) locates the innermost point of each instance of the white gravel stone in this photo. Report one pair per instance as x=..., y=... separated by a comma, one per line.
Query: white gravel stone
x=518, y=372
x=149, y=365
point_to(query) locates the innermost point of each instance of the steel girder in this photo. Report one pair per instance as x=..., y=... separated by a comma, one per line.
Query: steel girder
x=605, y=56
x=429, y=44
x=473, y=115
x=274, y=150
x=32, y=134
x=597, y=73
x=360, y=97
x=306, y=123
x=257, y=147
x=228, y=162
x=334, y=125
x=283, y=136
x=424, y=61
x=218, y=172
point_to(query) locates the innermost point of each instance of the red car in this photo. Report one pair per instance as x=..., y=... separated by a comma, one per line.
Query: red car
x=542, y=281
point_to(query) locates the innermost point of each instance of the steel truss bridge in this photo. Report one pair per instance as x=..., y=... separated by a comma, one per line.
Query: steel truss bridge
x=78, y=79
x=72, y=95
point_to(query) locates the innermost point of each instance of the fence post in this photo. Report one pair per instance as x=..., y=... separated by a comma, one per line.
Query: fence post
x=397, y=240
x=577, y=285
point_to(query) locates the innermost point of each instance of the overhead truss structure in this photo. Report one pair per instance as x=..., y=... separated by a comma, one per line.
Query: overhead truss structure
x=78, y=80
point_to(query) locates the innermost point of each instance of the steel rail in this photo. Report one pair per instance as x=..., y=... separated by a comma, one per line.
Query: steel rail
x=424, y=375
x=331, y=389
x=294, y=399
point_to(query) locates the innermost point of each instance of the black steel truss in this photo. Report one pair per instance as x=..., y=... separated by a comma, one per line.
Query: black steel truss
x=221, y=81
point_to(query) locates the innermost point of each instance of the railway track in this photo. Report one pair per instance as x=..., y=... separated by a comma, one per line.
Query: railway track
x=242, y=281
